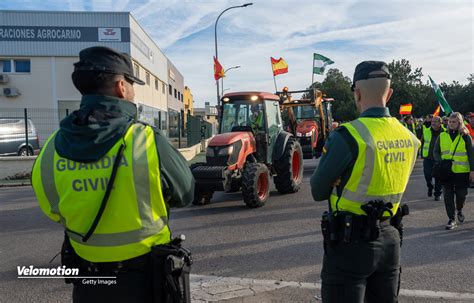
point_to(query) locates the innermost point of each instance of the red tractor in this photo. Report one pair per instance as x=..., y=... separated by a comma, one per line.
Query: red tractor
x=249, y=150
x=308, y=118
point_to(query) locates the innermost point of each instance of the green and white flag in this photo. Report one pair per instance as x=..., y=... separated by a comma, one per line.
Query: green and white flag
x=319, y=63
x=440, y=97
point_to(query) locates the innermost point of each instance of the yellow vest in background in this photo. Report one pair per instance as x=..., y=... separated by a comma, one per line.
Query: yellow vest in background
x=135, y=217
x=387, y=155
x=460, y=159
x=427, y=135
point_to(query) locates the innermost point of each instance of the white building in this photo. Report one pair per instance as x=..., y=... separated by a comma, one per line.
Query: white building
x=37, y=52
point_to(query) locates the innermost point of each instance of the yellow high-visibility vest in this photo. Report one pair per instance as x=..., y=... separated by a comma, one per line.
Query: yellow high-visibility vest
x=460, y=159
x=135, y=217
x=387, y=155
x=427, y=135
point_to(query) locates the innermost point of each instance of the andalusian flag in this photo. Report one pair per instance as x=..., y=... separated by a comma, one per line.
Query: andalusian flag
x=437, y=111
x=440, y=97
x=218, y=70
x=405, y=109
x=279, y=66
x=319, y=63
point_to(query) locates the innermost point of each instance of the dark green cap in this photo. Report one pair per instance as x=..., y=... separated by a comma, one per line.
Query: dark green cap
x=106, y=60
x=369, y=70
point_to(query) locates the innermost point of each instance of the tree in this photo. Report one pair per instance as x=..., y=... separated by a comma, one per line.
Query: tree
x=338, y=86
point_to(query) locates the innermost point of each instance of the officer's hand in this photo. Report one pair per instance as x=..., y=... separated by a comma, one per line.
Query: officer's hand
x=337, y=182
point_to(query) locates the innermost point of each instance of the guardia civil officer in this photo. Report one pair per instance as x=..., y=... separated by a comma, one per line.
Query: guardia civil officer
x=110, y=181
x=363, y=173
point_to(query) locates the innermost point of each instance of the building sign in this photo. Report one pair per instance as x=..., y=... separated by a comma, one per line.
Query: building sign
x=110, y=34
x=141, y=46
x=64, y=34
x=171, y=75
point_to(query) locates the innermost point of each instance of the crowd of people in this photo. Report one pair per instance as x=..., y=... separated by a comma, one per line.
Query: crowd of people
x=448, y=139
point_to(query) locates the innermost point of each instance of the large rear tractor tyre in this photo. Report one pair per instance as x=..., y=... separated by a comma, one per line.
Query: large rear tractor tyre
x=202, y=198
x=255, y=184
x=289, y=168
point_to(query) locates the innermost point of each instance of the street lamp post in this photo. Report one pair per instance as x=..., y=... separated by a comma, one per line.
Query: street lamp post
x=222, y=79
x=215, y=43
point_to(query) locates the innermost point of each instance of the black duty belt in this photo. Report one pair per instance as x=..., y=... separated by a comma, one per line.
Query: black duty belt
x=139, y=262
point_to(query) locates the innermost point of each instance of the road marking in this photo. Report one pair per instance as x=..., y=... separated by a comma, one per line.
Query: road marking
x=215, y=288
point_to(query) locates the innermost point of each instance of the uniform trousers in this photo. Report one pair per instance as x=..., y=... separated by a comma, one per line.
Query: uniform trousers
x=367, y=269
x=428, y=172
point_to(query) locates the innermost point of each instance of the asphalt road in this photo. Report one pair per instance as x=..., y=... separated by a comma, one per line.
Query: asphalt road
x=280, y=241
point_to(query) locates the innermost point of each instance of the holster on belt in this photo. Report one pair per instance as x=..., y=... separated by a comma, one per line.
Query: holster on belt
x=69, y=257
x=171, y=268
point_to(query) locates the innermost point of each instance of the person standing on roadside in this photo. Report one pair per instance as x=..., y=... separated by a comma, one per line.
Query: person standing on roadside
x=430, y=135
x=363, y=172
x=110, y=180
x=470, y=125
x=455, y=144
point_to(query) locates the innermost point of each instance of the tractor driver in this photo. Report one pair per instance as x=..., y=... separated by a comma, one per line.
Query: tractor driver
x=256, y=118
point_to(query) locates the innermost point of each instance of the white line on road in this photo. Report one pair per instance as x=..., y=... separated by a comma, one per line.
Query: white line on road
x=214, y=288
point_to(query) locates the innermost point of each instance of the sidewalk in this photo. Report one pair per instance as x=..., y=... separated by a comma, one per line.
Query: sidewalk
x=242, y=290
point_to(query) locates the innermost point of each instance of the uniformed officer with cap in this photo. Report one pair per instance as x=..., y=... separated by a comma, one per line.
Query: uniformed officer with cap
x=110, y=181
x=363, y=172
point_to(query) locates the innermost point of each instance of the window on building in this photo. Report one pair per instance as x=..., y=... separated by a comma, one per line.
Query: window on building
x=15, y=65
x=175, y=93
x=6, y=66
x=179, y=95
x=22, y=66
x=163, y=87
x=156, y=84
x=170, y=89
x=136, y=70
x=147, y=78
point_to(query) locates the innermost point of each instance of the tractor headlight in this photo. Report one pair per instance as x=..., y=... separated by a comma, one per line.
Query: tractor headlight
x=209, y=152
x=299, y=134
x=309, y=134
x=226, y=151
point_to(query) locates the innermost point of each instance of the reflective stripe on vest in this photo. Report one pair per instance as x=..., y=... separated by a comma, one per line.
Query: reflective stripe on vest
x=427, y=135
x=135, y=217
x=386, y=149
x=460, y=158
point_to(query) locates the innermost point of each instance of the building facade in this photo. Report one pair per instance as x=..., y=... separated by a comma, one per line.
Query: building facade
x=188, y=104
x=38, y=49
x=175, y=101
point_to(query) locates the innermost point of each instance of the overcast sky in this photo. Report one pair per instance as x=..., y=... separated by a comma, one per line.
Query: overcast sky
x=436, y=35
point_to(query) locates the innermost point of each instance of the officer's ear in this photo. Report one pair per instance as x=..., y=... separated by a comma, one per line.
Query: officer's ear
x=389, y=94
x=120, y=88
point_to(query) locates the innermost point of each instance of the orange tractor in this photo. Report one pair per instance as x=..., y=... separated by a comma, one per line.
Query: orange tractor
x=250, y=149
x=309, y=119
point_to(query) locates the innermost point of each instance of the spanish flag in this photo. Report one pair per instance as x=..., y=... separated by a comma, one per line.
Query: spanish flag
x=437, y=111
x=279, y=66
x=218, y=70
x=405, y=109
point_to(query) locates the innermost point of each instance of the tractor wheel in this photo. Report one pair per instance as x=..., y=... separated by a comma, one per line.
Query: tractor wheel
x=202, y=198
x=255, y=184
x=289, y=168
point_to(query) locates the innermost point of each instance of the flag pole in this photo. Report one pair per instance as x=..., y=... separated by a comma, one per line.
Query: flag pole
x=274, y=80
x=312, y=72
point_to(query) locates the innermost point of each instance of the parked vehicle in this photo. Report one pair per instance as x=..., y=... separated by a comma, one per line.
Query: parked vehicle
x=249, y=150
x=13, y=137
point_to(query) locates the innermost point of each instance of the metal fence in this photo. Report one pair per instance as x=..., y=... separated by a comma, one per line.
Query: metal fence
x=35, y=125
